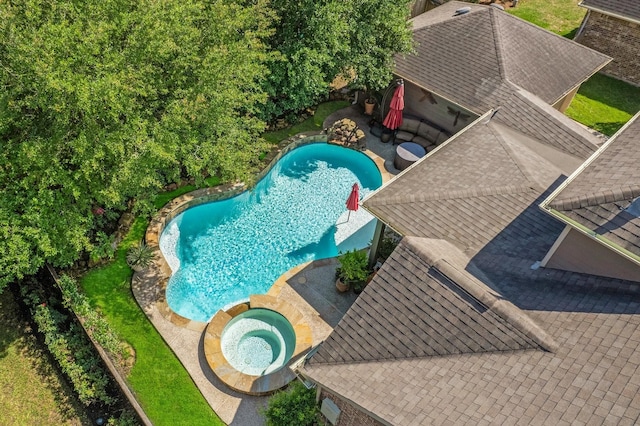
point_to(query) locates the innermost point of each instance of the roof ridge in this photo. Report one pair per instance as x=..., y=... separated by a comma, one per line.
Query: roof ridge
x=485, y=295
x=623, y=193
x=497, y=40
x=496, y=303
x=445, y=194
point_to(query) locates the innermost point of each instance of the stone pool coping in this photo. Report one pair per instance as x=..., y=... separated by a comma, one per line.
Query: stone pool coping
x=245, y=383
x=151, y=284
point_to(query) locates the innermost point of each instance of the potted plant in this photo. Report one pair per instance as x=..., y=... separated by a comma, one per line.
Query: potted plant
x=369, y=103
x=353, y=270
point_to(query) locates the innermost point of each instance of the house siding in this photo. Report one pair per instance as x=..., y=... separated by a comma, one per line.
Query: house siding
x=579, y=253
x=349, y=414
x=617, y=38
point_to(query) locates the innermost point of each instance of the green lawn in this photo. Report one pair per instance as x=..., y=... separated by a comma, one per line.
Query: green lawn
x=559, y=16
x=605, y=104
x=161, y=384
x=32, y=392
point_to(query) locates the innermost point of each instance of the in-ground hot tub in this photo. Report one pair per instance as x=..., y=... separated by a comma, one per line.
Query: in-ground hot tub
x=250, y=345
x=258, y=342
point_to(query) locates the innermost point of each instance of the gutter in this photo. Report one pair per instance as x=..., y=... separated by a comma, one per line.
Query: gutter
x=612, y=14
x=544, y=205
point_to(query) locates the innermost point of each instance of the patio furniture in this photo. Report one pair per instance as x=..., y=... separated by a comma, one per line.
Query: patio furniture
x=421, y=132
x=408, y=153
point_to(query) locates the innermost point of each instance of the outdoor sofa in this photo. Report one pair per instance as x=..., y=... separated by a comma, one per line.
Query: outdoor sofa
x=421, y=132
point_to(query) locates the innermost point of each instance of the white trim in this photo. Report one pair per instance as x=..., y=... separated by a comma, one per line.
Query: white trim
x=555, y=245
x=612, y=14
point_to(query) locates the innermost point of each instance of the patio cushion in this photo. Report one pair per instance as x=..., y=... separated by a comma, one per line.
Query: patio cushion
x=424, y=142
x=404, y=136
x=410, y=125
x=442, y=136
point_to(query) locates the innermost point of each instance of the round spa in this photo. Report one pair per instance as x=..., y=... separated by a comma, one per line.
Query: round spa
x=251, y=346
x=258, y=342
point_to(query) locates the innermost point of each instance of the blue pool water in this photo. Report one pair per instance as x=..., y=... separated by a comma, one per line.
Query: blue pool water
x=222, y=252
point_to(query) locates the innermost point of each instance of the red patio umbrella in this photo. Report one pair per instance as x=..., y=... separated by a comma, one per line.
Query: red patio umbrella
x=393, y=120
x=352, y=201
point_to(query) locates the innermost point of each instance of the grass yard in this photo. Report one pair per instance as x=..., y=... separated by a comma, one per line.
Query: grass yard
x=562, y=17
x=605, y=104
x=161, y=384
x=32, y=392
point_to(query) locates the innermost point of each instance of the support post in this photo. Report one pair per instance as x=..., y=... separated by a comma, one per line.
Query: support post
x=375, y=242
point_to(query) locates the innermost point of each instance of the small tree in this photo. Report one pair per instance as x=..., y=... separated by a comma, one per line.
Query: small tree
x=295, y=406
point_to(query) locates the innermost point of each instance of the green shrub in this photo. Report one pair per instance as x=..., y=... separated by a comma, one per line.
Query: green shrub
x=71, y=349
x=354, y=266
x=139, y=257
x=97, y=327
x=103, y=248
x=386, y=247
x=295, y=406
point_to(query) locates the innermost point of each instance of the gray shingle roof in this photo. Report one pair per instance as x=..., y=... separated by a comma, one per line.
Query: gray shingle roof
x=421, y=305
x=480, y=192
x=471, y=188
x=487, y=58
x=593, y=378
x=597, y=195
x=623, y=8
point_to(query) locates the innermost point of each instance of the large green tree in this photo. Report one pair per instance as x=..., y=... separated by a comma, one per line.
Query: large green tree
x=321, y=39
x=105, y=101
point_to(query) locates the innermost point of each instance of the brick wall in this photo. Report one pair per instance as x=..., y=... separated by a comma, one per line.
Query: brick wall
x=350, y=415
x=617, y=38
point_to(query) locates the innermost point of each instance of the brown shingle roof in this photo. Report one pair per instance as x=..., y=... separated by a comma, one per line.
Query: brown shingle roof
x=597, y=195
x=622, y=8
x=420, y=305
x=487, y=58
x=592, y=377
x=470, y=188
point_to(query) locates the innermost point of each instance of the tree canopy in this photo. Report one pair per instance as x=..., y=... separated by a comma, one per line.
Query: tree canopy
x=102, y=102
x=321, y=39
x=106, y=101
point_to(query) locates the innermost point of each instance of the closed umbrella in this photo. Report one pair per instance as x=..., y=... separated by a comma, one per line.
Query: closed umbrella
x=352, y=201
x=393, y=120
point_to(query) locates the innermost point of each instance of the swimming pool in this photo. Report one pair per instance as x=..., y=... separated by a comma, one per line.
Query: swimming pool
x=223, y=251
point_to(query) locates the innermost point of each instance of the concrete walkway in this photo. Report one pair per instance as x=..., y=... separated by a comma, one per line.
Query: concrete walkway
x=309, y=287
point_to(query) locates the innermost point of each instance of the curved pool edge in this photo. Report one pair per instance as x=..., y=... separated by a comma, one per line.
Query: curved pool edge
x=245, y=383
x=149, y=286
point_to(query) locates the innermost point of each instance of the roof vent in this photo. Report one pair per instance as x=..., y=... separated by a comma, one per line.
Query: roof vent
x=462, y=11
x=497, y=6
x=634, y=207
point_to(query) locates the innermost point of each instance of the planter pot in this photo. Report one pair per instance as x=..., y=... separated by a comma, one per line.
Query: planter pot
x=368, y=107
x=340, y=286
x=358, y=287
